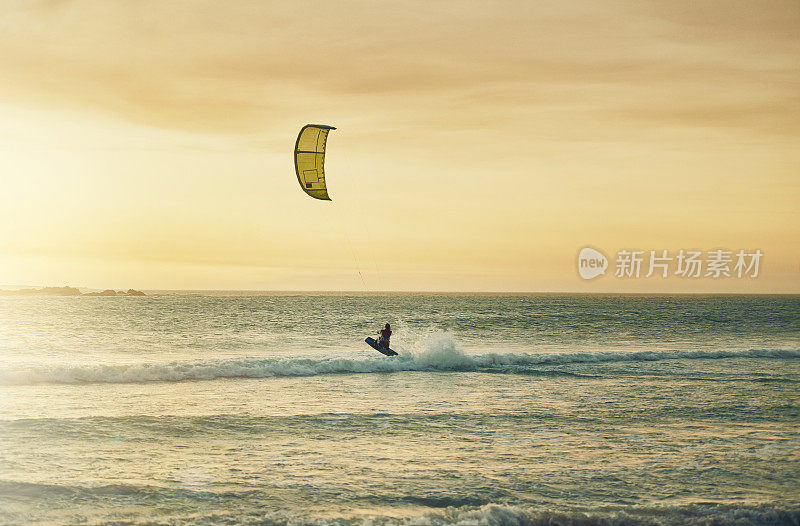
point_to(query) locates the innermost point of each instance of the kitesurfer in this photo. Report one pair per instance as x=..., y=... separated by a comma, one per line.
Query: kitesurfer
x=386, y=333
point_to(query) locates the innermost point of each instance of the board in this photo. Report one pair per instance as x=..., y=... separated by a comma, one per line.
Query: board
x=383, y=350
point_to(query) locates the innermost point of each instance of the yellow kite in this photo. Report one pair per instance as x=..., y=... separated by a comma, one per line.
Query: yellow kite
x=309, y=159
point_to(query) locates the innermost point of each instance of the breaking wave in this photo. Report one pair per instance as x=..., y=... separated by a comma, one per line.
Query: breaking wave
x=719, y=514
x=440, y=354
x=486, y=515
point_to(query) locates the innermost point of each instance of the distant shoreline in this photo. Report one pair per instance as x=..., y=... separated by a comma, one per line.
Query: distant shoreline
x=74, y=291
x=68, y=291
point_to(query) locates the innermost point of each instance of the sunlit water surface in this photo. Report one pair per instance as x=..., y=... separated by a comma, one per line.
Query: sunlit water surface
x=499, y=409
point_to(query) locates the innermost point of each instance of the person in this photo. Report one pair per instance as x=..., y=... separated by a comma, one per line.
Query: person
x=385, y=334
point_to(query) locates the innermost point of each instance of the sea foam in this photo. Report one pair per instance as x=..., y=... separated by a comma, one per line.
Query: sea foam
x=437, y=352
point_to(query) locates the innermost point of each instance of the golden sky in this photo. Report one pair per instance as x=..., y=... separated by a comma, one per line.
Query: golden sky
x=480, y=145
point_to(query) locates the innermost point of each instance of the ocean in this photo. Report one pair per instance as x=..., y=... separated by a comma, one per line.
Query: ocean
x=500, y=409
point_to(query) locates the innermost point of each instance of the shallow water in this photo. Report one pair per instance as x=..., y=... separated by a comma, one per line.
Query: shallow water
x=499, y=409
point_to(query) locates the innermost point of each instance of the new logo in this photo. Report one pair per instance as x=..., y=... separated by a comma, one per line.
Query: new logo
x=591, y=263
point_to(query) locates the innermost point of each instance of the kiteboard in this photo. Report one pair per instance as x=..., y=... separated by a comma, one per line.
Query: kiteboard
x=383, y=350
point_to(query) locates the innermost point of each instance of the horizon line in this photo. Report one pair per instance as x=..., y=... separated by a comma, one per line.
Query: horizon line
x=376, y=292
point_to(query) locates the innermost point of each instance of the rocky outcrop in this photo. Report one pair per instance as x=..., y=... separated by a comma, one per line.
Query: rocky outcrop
x=107, y=292
x=111, y=292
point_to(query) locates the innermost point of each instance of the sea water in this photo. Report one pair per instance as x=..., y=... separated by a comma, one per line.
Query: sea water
x=499, y=409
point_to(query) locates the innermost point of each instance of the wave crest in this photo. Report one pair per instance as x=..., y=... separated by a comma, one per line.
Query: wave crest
x=698, y=514
x=440, y=353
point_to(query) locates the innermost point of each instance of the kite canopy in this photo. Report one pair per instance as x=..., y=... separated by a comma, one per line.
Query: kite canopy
x=309, y=159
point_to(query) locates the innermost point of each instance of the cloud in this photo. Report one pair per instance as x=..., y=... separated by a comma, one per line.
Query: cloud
x=243, y=67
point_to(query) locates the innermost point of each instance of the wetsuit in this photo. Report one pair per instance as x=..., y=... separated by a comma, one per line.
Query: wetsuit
x=383, y=341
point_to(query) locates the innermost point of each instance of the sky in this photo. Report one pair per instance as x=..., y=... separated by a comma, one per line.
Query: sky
x=479, y=145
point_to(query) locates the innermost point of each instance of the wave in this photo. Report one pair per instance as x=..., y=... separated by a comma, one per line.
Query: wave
x=249, y=509
x=719, y=514
x=142, y=491
x=441, y=354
